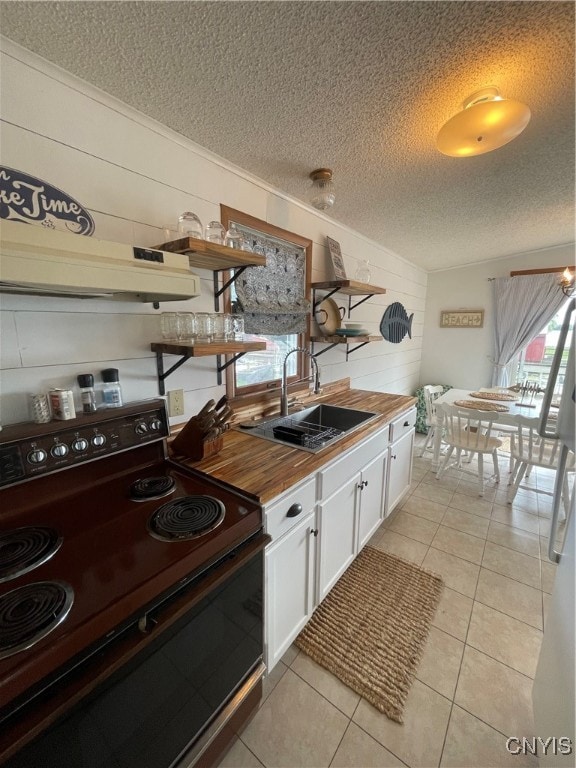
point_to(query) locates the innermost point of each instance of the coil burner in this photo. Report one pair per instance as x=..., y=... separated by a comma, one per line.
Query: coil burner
x=30, y=612
x=152, y=488
x=23, y=549
x=186, y=518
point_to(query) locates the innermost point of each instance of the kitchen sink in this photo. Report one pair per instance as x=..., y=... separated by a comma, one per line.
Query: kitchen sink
x=314, y=428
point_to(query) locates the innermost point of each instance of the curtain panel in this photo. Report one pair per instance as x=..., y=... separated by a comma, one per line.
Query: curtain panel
x=523, y=305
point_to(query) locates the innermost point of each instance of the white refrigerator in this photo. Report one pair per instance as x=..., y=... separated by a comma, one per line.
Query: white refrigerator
x=553, y=691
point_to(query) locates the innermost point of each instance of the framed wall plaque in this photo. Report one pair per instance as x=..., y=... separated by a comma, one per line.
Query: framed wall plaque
x=337, y=260
x=462, y=318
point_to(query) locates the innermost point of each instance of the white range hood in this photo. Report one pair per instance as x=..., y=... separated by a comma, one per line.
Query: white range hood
x=34, y=260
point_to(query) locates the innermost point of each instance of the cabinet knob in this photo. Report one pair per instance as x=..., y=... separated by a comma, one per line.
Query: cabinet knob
x=406, y=423
x=393, y=456
x=294, y=510
x=363, y=484
x=314, y=531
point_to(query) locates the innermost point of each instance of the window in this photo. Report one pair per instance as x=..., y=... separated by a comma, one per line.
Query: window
x=534, y=361
x=290, y=254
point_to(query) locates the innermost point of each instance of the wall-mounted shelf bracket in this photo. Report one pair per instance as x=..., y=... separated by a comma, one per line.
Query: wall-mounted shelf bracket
x=334, y=341
x=221, y=366
x=347, y=287
x=162, y=374
x=219, y=290
x=353, y=306
x=317, y=302
x=187, y=350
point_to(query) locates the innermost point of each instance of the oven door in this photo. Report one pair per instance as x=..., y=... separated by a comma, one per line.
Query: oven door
x=163, y=691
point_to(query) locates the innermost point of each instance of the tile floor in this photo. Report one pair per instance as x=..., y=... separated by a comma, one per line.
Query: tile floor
x=473, y=684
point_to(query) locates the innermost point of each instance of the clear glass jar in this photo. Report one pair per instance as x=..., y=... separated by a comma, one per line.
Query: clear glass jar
x=234, y=238
x=215, y=232
x=205, y=327
x=362, y=273
x=190, y=225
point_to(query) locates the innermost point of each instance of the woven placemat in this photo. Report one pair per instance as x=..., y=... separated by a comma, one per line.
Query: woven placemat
x=495, y=396
x=371, y=628
x=481, y=406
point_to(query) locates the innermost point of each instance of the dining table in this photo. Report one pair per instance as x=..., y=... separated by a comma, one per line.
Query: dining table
x=529, y=406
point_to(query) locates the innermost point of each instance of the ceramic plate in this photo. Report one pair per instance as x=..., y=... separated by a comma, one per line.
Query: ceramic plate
x=351, y=332
x=328, y=317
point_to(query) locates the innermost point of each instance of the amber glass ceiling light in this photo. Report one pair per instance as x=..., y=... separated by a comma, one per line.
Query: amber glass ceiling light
x=321, y=194
x=567, y=282
x=487, y=122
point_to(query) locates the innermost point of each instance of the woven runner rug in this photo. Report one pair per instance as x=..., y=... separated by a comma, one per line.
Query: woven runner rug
x=371, y=628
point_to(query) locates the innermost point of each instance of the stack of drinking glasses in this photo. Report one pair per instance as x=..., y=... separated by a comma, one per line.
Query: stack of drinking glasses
x=190, y=225
x=201, y=327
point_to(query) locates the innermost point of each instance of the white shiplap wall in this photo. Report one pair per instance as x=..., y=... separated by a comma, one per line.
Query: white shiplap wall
x=135, y=177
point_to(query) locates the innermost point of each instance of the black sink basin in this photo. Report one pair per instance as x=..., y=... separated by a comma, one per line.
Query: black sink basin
x=314, y=428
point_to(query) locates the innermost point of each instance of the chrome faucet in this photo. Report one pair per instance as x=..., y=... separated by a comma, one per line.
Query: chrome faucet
x=284, y=390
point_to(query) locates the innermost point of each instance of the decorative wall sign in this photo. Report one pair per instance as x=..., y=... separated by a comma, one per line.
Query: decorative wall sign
x=26, y=198
x=337, y=260
x=462, y=318
x=395, y=323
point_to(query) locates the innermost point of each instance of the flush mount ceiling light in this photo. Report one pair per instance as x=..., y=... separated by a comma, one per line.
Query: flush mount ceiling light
x=487, y=122
x=321, y=194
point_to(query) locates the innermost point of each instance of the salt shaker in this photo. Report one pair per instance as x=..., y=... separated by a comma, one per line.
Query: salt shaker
x=111, y=391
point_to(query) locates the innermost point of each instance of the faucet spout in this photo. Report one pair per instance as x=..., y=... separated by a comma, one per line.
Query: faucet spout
x=284, y=390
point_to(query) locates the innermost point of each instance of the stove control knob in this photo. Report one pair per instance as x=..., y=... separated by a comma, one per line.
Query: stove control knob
x=98, y=440
x=79, y=445
x=141, y=428
x=155, y=424
x=59, y=450
x=37, y=456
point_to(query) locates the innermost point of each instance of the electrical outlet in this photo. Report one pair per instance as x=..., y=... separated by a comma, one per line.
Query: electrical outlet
x=176, y=402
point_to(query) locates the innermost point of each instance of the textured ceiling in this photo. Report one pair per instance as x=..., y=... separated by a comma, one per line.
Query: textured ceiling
x=281, y=88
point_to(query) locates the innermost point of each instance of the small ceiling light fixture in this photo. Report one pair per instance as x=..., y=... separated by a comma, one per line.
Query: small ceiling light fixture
x=487, y=122
x=567, y=282
x=321, y=194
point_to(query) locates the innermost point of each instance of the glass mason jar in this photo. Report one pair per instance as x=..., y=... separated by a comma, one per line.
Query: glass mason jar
x=204, y=327
x=189, y=224
x=215, y=232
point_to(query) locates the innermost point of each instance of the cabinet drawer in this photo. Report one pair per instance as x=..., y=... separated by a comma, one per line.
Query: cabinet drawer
x=340, y=471
x=402, y=425
x=283, y=514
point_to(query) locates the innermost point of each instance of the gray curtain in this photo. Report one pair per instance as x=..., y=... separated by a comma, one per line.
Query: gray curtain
x=522, y=307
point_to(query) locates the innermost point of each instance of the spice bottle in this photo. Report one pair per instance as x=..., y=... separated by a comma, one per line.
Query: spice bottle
x=87, y=394
x=111, y=391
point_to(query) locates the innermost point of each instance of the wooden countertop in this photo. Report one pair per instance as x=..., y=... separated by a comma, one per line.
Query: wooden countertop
x=263, y=470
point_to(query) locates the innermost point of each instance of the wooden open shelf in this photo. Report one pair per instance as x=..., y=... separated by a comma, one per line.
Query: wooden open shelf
x=205, y=350
x=206, y=255
x=348, y=287
x=332, y=341
x=186, y=351
x=336, y=339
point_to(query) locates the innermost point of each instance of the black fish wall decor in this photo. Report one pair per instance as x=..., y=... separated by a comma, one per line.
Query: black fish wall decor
x=395, y=323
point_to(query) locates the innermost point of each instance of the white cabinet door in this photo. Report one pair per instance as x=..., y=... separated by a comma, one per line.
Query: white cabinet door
x=371, y=498
x=289, y=587
x=337, y=539
x=399, y=470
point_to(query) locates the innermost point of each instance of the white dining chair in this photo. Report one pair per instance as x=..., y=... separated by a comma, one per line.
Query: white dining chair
x=527, y=450
x=472, y=431
x=431, y=393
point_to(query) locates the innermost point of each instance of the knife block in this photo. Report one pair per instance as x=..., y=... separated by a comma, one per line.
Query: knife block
x=189, y=442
